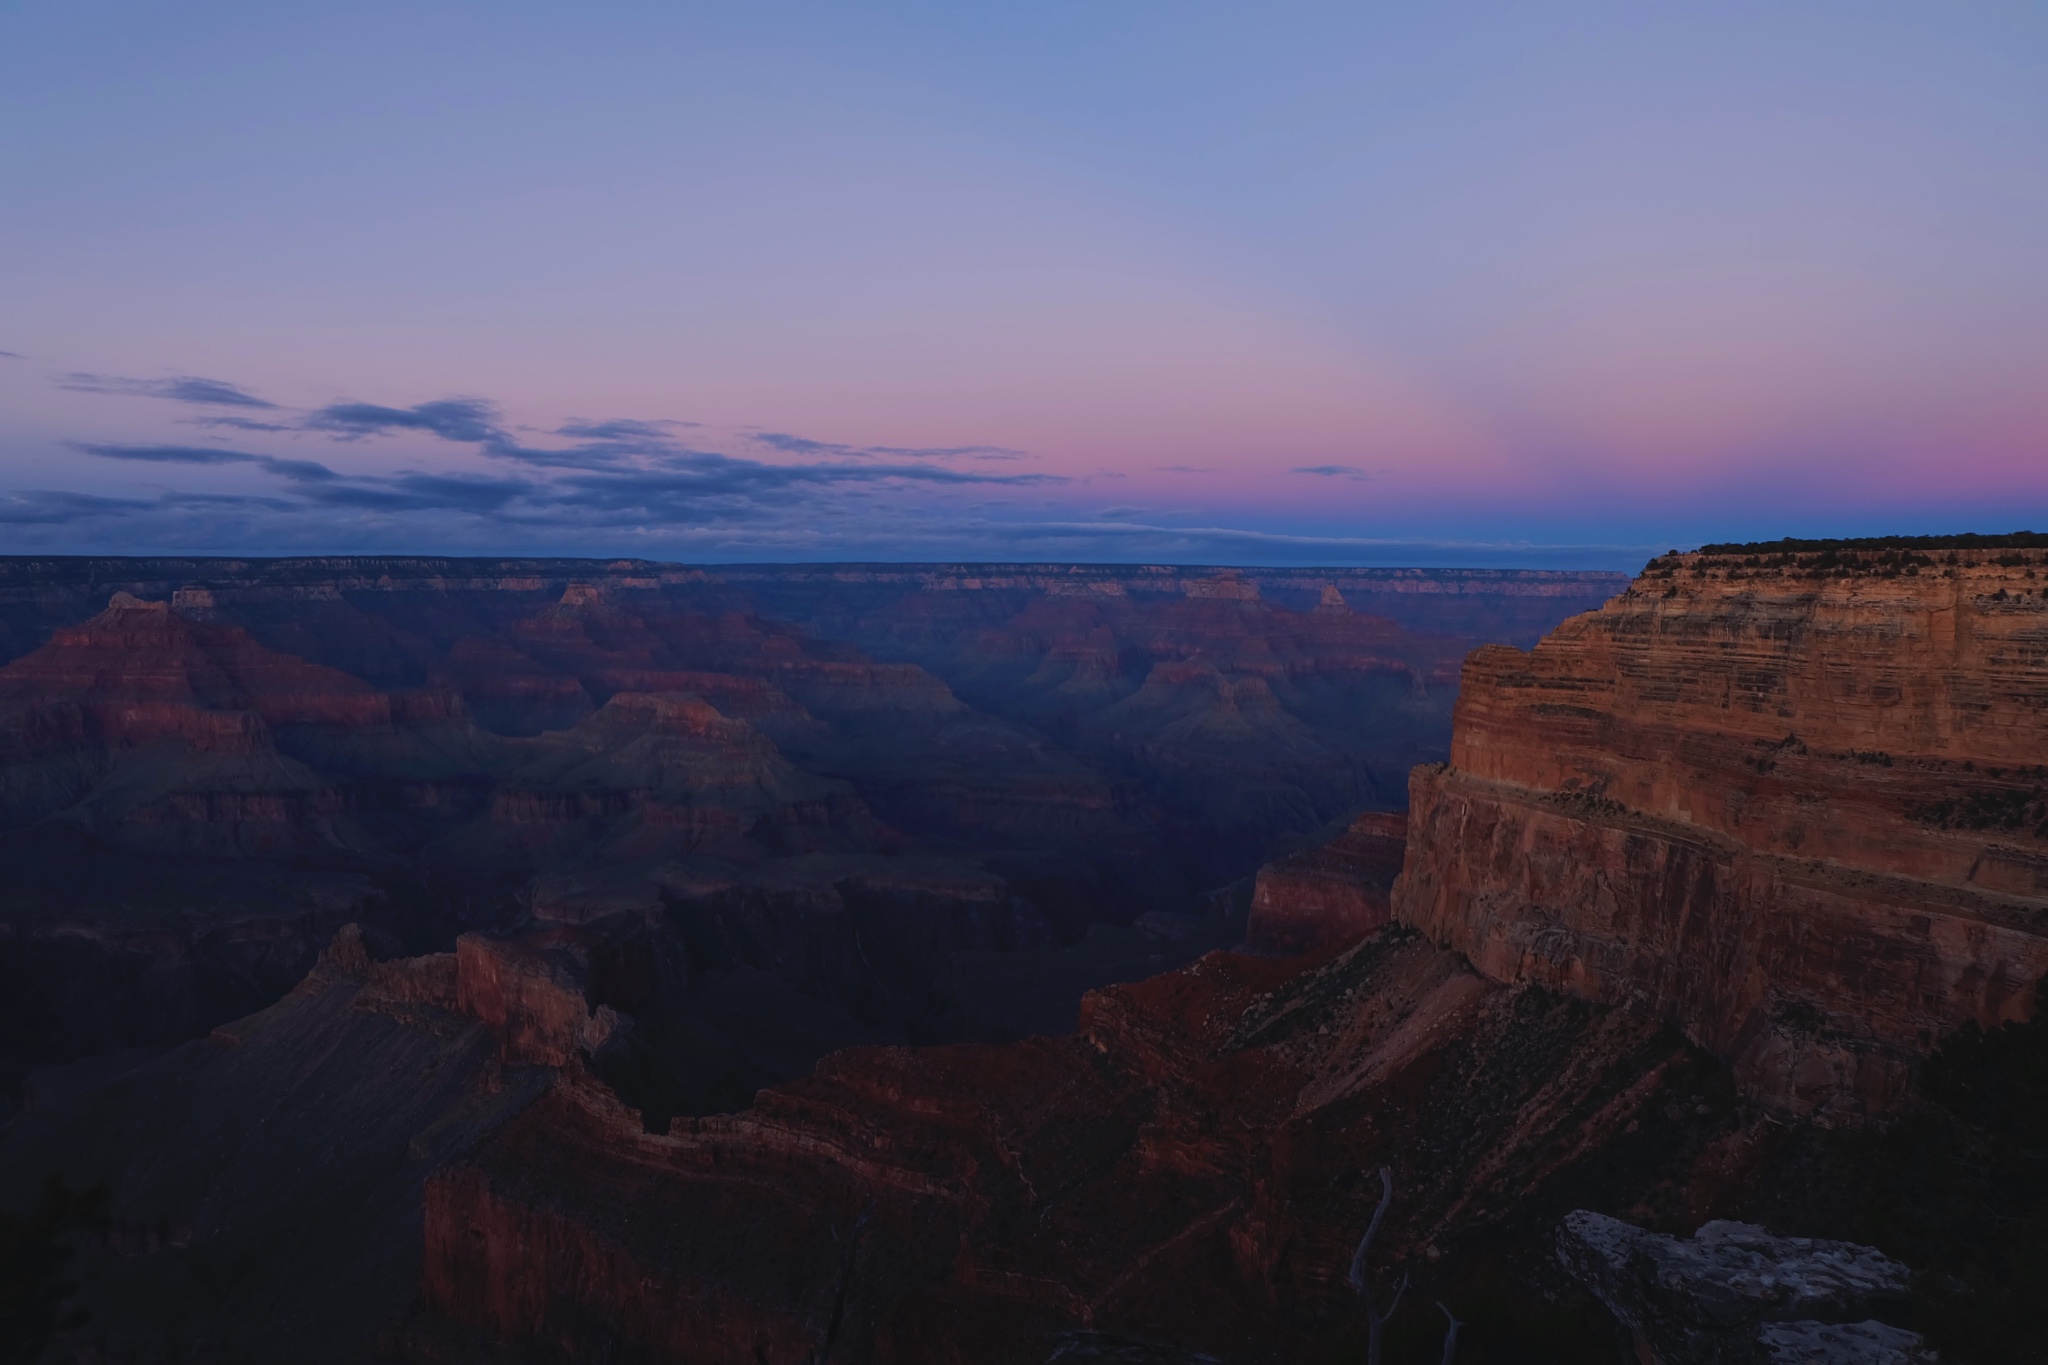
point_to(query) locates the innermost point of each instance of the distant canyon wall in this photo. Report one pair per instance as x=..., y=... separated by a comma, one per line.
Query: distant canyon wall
x=40, y=593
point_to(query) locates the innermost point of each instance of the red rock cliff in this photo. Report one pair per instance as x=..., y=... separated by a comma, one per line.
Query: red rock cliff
x=1326, y=895
x=1189, y=1163
x=1792, y=803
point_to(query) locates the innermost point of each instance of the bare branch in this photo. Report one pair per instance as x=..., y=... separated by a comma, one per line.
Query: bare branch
x=1379, y=1215
x=1361, y=1279
x=1450, y=1334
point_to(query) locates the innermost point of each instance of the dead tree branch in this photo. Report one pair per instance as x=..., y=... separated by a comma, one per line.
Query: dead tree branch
x=1361, y=1276
x=1450, y=1334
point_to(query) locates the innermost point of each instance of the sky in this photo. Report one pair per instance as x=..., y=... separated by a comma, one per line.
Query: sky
x=1555, y=285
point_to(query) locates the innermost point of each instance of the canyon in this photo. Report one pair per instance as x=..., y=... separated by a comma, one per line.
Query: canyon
x=1720, y=900
x=919, y=802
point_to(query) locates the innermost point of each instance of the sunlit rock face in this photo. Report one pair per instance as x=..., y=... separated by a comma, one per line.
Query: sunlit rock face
x=1794, y=803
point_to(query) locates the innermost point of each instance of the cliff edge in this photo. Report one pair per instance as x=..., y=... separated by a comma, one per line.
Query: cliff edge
x=1793, y=800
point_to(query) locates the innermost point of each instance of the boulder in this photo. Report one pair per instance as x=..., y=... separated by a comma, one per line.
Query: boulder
x=1733, y=1294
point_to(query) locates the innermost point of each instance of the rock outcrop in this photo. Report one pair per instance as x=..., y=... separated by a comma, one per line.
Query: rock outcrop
x=1332, y=893
x=1734, y=1294
x=1186, y=1170
x=265, y=1180
x=1790, y=802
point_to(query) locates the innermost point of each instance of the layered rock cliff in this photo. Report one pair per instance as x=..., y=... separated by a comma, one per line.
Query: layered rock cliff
x=1790, y=801
x=1331, y=893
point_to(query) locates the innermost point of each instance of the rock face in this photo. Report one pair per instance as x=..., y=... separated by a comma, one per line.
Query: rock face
x=1186, y=1170
x=1330, y=894
x=266, y=1179
x=1734, y=1294
x=1793, y=803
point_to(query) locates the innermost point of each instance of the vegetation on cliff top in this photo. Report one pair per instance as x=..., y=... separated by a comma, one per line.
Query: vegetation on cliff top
x=2011, y=540
x=1884, y=556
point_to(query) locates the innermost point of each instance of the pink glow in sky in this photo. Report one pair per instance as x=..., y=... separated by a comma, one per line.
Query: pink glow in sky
x=1296, y=282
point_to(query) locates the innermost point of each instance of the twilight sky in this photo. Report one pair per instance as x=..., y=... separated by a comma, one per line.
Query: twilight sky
x=1556, y=284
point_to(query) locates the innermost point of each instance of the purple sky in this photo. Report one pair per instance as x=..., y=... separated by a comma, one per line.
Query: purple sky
x=1340, y=283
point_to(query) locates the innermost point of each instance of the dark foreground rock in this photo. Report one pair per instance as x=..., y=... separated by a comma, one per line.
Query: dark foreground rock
x=1734, y=1294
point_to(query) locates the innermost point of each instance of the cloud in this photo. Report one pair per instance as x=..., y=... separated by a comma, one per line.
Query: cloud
x=700, y=474
x=1188, y=468
x=12, y=355
x=803, y=445
x=623, y=461
x=53, y=508
x=623, y=446
x=452, y=419
x=696, y=482
x=170, y=454
x=621, y=429
x=301, y=471
x=472, y=421
x=459, y=492
x=242, y=424
x=1332, y=471
x=185, y=389
x=626, y=485
x=321, y=485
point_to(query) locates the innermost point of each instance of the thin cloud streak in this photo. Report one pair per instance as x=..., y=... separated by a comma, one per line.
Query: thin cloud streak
x=241, y=424
x=803, y=445
x=186, y=389
x=621, y=429
x=303, y=471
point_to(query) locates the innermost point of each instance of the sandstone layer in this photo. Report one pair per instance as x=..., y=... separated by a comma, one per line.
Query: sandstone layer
x=1331, y=893
x=1791, y=802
